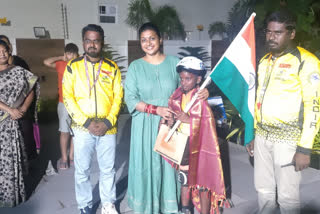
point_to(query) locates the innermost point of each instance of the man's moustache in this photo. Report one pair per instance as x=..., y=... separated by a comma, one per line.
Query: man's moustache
x=272, y=43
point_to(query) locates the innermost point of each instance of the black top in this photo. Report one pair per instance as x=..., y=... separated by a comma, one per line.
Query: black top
x=20, y=62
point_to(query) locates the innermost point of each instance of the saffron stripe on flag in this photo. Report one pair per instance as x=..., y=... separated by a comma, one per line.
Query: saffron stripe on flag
x=249, y=36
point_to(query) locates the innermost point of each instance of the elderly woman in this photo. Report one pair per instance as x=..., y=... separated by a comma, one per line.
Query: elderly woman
x=16, y=95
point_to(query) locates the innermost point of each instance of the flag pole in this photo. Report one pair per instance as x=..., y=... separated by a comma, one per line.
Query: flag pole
x=207, y=80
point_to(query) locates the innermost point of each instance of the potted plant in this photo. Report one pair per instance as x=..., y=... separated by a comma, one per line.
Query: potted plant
x=165, y=17
x=217, y=28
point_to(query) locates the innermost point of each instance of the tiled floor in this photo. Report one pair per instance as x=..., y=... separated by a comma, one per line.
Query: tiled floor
x=55, y=194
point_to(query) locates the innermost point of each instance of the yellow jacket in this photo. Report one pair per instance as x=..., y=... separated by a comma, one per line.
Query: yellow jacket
x=102, y=102
x=287, y=104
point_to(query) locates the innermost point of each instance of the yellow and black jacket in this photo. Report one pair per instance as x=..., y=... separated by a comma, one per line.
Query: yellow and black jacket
x=287, y=104
x=102, y=102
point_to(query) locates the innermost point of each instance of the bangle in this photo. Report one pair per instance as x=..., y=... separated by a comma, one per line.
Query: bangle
x=154, y=109
x=150, y=109
x=145, y=108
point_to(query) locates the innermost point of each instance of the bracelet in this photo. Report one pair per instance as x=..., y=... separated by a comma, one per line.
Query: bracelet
x=153, y=109
x=150, y=109
x=145, y=108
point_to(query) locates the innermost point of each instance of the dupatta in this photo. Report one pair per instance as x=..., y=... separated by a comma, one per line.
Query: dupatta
x=205, y=168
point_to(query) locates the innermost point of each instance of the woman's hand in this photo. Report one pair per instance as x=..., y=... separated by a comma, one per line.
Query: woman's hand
x=184, y=167
x=22, y=110
x=165, y=112
x=15, y=113
x=183, y=117
x=27, y=102
x=203, y=94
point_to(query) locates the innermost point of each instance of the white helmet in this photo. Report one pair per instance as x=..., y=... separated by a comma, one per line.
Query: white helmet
x=191, y=64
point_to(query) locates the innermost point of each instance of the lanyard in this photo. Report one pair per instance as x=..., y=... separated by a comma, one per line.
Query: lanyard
x=87, y=73
x=266, y=80
x=271, y=63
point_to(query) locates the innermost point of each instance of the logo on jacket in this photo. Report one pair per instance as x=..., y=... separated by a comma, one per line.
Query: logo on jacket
x=282, y=75
x=314, y=78
x=106, y=76
x=252, y=81
x=106, y=72
x=282, y=65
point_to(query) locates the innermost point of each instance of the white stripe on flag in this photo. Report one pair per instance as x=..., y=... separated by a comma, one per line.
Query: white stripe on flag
x=239, y=53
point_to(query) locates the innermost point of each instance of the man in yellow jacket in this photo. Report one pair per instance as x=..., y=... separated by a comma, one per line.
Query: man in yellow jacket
x=286, y=116
x=92, y=94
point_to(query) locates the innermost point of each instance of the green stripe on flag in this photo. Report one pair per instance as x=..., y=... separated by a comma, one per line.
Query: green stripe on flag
x=230, y=81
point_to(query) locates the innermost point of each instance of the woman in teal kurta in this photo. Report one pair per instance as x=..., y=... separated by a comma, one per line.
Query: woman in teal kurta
x=152, y=185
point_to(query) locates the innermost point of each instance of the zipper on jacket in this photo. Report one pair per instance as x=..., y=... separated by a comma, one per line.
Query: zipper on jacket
x=266, y=84
x=95, y=92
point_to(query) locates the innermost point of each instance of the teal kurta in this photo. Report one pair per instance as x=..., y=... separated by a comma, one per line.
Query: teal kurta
x=152, y=185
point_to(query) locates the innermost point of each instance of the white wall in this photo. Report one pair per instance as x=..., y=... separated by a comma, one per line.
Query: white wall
x=83, y=12
x=26, y=14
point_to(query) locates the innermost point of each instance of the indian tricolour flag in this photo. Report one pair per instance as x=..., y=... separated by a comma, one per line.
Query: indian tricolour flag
x=235, y=75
